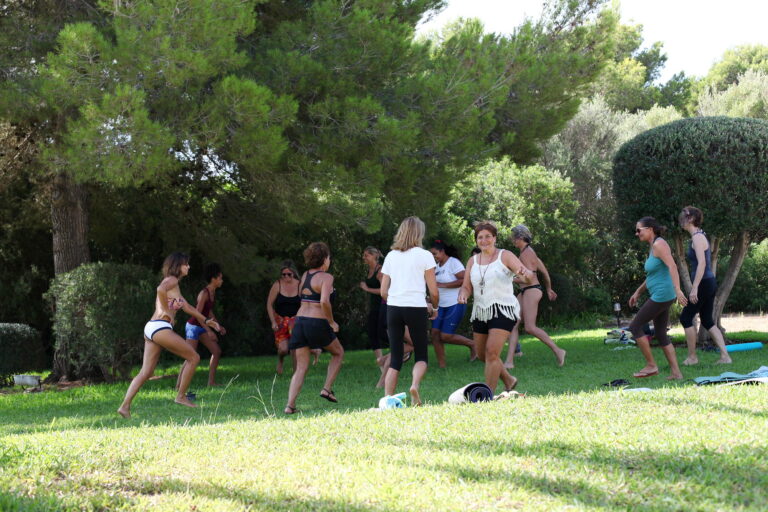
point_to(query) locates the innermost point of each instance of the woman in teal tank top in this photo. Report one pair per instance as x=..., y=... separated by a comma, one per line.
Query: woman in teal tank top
x=663, y=285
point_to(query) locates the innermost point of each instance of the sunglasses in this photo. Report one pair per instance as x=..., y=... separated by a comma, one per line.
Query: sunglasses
x=285, y=274
x=637, y=230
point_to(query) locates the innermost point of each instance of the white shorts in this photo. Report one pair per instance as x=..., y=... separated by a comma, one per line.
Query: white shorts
x=155, y=325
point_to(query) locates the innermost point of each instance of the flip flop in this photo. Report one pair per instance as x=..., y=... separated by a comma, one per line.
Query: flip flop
x=290, y=410
x=329, y=395
x=617, y=383
x=639, y=375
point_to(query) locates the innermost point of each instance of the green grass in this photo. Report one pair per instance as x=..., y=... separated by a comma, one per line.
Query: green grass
x=570, y=445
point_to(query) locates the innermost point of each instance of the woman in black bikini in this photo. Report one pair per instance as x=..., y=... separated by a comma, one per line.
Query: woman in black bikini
x=159, y=334
x=529, y=297
x=315, y=327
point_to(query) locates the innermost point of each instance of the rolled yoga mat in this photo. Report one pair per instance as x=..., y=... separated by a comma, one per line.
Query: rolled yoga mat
x=740, y=347
x=471, y=393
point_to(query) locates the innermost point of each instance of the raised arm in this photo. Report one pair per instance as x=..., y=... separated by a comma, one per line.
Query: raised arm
x=514, y=264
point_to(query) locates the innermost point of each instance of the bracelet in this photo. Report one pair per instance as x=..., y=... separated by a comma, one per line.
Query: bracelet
x=207, y=320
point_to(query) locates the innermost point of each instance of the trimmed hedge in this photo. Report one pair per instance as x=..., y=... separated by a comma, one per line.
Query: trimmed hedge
x=716, y=163
x=21, y=350
x=100, y=309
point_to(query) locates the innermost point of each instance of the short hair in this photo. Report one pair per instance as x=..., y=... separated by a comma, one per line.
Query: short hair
x=373, y=251
x=692, y=215
x=288, y=264
x=409, y=234
x=523, y=233
x=315, y=254
x=212, y=270
x=487, y=226
x=650, y=222
x=173, y=263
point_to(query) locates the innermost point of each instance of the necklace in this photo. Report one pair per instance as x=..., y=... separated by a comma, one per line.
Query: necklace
x=482, y=273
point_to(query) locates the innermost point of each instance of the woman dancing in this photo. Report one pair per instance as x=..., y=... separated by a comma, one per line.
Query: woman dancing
x=495, y=310
x=408, y=269
x=315, y=327
x=529, y=297
x=701, y=300
x=283, y=302
x=159, y=335
x=663, y=284
x=196, y=332
x=450, y=276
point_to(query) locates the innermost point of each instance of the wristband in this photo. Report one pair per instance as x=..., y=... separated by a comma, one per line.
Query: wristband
x=207, y=320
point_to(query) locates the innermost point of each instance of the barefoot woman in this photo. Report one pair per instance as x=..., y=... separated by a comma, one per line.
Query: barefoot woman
x=495, y=310
x=663, y=285
x=529, y=297
x=159, y=334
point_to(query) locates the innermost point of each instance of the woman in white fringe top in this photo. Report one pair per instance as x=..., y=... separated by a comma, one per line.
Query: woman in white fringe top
x=495, y=310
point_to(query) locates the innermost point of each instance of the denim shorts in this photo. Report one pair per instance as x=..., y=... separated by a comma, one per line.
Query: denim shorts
x=193, y=331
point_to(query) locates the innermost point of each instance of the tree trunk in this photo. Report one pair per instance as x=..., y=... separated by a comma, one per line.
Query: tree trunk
x=69, y=220
x=682, y=264
x=738, y=254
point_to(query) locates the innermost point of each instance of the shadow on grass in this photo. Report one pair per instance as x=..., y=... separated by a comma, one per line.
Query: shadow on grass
x=720, y=480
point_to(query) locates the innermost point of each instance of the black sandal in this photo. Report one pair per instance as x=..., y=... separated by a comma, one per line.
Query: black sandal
x=289, y=409
x=329, y=395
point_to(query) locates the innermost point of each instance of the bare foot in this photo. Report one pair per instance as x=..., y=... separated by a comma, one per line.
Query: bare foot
x=184, y=401
x=415, y=398
x=675, y=376
x=279, y=369
x=124, y=412
x=690, y=361
x=724, y=360
x=472, y=354
x=648, y=371
x=560, y=357
x=509, y=365
x=512, y=385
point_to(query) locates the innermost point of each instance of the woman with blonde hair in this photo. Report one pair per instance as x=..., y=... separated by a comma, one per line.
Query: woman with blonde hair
x=159, y=333
x=495, y=311
x=408, y=269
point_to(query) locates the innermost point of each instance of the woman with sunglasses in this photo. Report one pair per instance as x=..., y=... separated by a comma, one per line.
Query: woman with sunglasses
x=701, y=300
x=663, y=285
x=283, y=303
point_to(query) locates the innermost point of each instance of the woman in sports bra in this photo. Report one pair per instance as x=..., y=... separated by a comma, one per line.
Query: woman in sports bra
x=495, y=309
x=315, y=327
x=159, y=334
x=283, y=303
x=529, y=297
x=196, y=332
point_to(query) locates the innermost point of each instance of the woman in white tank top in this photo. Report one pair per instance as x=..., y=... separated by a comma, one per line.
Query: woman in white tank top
x=495, y=310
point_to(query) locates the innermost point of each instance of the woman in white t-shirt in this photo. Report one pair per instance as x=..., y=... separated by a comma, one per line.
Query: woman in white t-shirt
x=408, y=270
x=495, y=309
x=450, y=276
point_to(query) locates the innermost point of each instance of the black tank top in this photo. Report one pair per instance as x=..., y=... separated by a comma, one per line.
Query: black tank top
x=286, y=306
x=373, y=282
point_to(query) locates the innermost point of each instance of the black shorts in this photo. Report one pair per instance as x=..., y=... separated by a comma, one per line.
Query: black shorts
x=311, y=332
x=498, y=321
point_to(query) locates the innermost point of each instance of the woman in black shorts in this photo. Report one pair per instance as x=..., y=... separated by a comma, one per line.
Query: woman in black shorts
x=495, y=310
x=701, y=300
x=315, y=327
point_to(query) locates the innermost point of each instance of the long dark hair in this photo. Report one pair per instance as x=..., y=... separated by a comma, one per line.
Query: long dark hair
x=650, y=222
x=449, y=250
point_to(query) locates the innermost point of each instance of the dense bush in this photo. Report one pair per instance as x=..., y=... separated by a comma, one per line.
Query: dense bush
x=100, y=309
x=750, y=292
x=21, y=350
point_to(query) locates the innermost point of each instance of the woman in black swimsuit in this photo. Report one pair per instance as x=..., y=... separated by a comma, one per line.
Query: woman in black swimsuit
x=377, y=330
x=282, y=305
x=529, y=297
x=315, y=327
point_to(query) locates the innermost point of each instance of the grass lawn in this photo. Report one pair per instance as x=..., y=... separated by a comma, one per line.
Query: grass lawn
x=571, y=444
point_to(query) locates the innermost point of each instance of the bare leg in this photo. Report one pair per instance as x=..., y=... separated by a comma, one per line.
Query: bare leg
x=193, y=344
x=419, y=369
x=494, y=368
x=690, y=340
x=282, y=351
x=650, y=364
x=717, y=336
x=458, y=339
x=151, y=356
x=297, y=381
x=669, y=352
x=390, y=381
x=529, y=312
x=212, y=344
x=316, y=352
x=514, y=337
x=337, y=356
x=437, y=344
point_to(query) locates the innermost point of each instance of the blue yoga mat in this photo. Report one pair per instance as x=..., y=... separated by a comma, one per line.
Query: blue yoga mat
x=740, y=347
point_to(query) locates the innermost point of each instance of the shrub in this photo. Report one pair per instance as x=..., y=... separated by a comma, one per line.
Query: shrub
x=21, y=348
x=100, y=309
